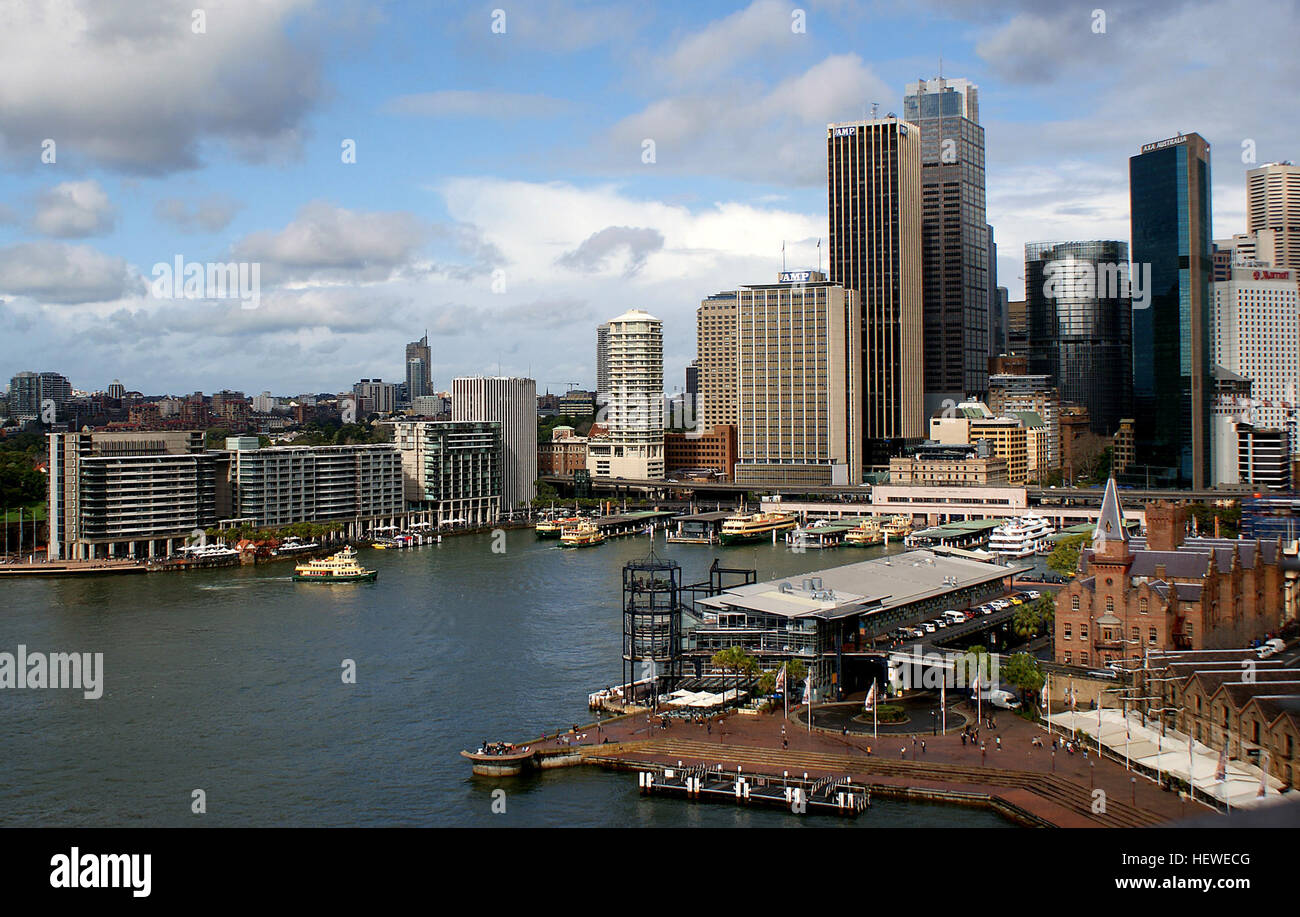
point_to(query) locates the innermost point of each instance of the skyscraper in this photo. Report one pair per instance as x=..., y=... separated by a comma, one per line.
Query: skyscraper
x=602, y=363
x=798, y=355
x=874, y=190
x=1169, y=190
x=1273, y=203
x=511, y=402
x=633, y=446
x=418, y=363
x=716, y=348
x=955, y=238
x=1080, y=322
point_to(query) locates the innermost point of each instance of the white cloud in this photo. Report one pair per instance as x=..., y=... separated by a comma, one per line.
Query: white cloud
x=54, y=272
x=211, y=213
x=73, y=210
x=327, y=242
x=130, y=85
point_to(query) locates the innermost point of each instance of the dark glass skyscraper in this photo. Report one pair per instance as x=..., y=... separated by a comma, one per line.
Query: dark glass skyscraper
x=874, y=202
x=954, y=238
x=1080, y=325
x=1169, y=190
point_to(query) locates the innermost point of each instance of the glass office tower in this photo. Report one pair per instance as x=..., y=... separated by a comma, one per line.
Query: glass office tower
x=955, y=238
x=1080, y=327
x=1169, y=190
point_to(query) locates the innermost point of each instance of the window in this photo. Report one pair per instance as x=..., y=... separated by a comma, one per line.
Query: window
x=1067, y=662
x=1142, y=606
x=1083, y=659
x=1083, y=631
x=1152, y=635
x=1074, y=603
x=1065, y=632
x=1110, y=605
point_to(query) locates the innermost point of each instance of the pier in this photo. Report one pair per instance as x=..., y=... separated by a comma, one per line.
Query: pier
x=1031, y=784
x=801, y=795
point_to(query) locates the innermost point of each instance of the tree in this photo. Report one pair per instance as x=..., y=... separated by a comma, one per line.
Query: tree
x=1022, y=671
x=1034, y=617
x=1064, y=558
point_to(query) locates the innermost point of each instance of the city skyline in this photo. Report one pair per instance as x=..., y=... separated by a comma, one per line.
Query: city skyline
x=355, y=255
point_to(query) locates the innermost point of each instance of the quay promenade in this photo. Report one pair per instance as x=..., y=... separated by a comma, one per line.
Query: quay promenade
x=1021, y=779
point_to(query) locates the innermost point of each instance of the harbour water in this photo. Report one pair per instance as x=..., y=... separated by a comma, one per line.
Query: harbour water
x=231, y=682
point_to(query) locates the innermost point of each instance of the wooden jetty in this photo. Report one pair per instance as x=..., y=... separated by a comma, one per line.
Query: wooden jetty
x=823, y=796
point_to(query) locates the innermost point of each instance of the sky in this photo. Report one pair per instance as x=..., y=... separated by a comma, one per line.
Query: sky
x=508, y=175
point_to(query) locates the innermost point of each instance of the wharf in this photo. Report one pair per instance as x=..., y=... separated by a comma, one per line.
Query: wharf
x=73, y=568
x=1023, y=781
x=632, y=523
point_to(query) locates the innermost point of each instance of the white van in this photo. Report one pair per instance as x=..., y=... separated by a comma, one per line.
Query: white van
x=954, y=616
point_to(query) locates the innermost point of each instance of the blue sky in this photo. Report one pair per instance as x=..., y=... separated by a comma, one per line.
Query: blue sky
x=499, y=195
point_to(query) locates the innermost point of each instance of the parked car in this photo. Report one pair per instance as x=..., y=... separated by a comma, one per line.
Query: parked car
x=928, y=627
x=1270, y=648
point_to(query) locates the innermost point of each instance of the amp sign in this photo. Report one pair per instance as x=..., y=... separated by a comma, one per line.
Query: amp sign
x=846, y=131
x=796, y=276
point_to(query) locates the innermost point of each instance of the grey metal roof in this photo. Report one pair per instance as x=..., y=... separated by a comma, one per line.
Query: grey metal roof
x=1110, y=523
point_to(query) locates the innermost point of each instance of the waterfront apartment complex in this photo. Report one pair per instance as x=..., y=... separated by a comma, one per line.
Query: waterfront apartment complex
x=512, y=403
x=955, y=243
x=798, y=358
x=1081, y=325
x=1169, y=190
x=874, y=202
x=283, y=485
x=716, y=361
x=454, y=469
x=128, y=494
x=633, y=446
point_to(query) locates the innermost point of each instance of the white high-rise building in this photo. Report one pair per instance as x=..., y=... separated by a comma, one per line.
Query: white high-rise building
x=634, y=416
x=1273, y=203
x=1255, y=332
x=512, y=402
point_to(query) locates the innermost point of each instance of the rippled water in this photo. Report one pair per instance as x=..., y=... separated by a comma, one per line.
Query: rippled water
x=230, y=681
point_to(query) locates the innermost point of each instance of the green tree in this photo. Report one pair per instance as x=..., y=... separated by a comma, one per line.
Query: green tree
x=1064, y=558
x=1033, y=618
x=1022, y=671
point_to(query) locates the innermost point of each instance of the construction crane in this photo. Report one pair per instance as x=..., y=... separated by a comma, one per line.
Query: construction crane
x=571, y=385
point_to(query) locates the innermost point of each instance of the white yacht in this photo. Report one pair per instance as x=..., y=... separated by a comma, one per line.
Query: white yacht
x=1020, y=537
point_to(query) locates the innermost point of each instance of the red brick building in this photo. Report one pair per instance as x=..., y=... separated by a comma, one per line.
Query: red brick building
x=1164, y=592
x=563, y=455
x=714, y=450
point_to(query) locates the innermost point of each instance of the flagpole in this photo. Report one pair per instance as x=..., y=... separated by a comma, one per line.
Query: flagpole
x=875, y=701
x=943, y=707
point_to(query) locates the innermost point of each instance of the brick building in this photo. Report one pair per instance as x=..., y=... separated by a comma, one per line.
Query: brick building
x=714, y=450
x=563, y=455
x=1133, y=596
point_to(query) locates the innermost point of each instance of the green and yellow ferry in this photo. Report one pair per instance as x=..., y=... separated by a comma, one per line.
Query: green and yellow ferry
x=341, y=568
x=757, y=527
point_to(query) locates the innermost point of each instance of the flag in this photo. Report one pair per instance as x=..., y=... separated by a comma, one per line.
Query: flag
x=870, y=702
x=807, y=690
x=1263, y=775
x=780, y=681
x=1221, y=772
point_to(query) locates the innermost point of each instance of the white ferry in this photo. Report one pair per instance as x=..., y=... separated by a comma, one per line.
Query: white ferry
x=1020, y=537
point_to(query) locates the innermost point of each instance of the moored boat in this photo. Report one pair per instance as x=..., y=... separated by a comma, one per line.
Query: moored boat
x=867, y=534
x=553, y=528
x=340, y=568
x=1020, y=537
x=898, y=526
x=756, y=527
